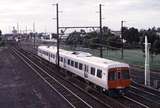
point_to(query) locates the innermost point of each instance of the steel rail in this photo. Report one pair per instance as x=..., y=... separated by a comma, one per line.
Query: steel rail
x=55, y=80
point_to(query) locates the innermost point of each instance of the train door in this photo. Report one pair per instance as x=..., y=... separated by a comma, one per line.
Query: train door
x=86, y=71
x=64, y=62
x=49, y=56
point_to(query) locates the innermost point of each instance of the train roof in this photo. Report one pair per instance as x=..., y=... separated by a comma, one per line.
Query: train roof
x=86, y=57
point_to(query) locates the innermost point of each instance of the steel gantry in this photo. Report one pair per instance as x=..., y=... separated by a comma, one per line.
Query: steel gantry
x=73, y=27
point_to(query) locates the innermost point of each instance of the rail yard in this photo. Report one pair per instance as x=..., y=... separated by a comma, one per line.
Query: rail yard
x=47, y=85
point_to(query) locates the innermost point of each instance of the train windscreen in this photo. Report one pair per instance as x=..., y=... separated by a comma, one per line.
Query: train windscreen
x=115, y=74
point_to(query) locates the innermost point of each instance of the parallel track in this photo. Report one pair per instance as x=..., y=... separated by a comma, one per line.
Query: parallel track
x=72, y=99
x=126, y=99
x=107, y=102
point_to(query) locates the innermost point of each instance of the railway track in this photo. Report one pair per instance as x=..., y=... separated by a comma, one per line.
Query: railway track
x=72, y=99
x=138, y=76
x=66, y=93
x=127, y=101
x=147, y=89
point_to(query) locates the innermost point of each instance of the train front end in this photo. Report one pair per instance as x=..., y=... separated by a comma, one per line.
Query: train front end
x=118, y=80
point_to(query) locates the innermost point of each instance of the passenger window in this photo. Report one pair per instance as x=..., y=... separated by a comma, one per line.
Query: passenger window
x=80, y=66
x=76, y=64
x=92, y=71
x=61, y=59
x=69, y=61
x=53, y=55
x=99, y=73
x=72, y=63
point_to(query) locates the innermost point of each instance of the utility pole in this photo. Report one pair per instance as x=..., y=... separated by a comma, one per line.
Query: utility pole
x=100, y=26
x=17, y=28
x=34, y=33
x=122, y=39
x=57, y=11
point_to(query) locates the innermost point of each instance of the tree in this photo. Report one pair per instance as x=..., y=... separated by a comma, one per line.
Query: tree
x=131, y=35
x=0, y=35
x=156, y=47
x=74, y=38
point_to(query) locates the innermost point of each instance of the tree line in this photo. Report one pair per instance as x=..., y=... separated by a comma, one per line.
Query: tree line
x=132, y=38
x=1, y=39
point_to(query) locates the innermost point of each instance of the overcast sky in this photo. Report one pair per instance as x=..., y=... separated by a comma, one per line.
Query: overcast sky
x=137, y=13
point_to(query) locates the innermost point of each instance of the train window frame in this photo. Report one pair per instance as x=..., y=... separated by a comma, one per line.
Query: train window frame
x=93, y=71
x=99, y=73
x=76, y=64
x=80, y=66
x=72, y=63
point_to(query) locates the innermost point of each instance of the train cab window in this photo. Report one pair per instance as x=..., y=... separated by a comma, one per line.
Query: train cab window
x=111, y=75
x=119, y=75
x=99, y=73
x=72, y=63
x=125, y=74
x=80, y=66
x=92, y=70
x=69, y=61
x=76, y=64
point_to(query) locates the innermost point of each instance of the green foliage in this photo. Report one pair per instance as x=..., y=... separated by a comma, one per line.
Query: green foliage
x=0, y=33
x=114, y=41
x=74, y=38
x=133, y=37
x=156, y=46
x=153, y=39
